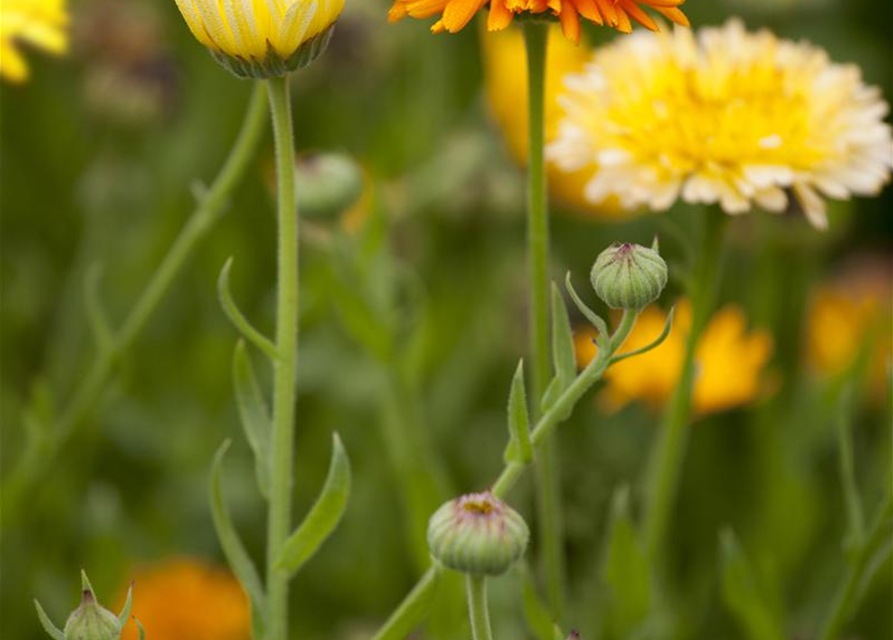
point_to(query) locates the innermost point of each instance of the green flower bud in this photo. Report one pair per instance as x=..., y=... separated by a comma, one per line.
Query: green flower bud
x=91, y=621
x=478, y=534
x=629, y=276
x=327, y=184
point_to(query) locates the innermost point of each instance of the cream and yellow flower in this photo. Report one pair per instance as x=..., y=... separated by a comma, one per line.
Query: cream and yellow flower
x=186, y=599
x=260, y=38
x=619, y=14
x=506, y=89
x=41, y=24
x=729, y=360
x=729, y=117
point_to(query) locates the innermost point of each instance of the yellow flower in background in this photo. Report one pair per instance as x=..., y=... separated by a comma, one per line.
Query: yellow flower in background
x=186, y=599
x=850, y=313
x=41, y=24
x=456, y=14
x=262, y=38
x=729, y=361
x=731, y=117
x=506, y=89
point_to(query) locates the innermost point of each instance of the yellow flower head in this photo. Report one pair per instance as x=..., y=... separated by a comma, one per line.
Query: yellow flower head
x=184, y=599
x=455, y=14
x=37, y=23
x=262, y=38
x=506, y=87
x=729, y=361
x=731, y=117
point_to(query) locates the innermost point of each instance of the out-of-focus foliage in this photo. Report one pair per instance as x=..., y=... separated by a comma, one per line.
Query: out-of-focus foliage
x=410, y=317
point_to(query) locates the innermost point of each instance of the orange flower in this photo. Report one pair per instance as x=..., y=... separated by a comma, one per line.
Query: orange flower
x=455, y=14
x=185, y=599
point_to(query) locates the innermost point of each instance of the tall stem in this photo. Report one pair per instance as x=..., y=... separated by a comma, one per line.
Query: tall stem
x=548, y=493
x=39, y=458
x=669, y=453
x=284, y=369
x=478, y=613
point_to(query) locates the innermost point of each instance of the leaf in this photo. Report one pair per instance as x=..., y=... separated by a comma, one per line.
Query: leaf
x=596, y=321
x=412, y=610
x=323, y=516
x=625, y=570
x=241, y=323
x=562, y=341
x=141, y=630
x=551, y=395
x=96, y=315
x=535, y=610
x=253, y=414
x=668, y=326
x=47, y=624
x=232, y=546
x=743, y=595
x=519, y=448
x=128, y=603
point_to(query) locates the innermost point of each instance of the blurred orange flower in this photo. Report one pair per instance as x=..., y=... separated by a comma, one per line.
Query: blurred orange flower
x=186, y=599
x=730, y=361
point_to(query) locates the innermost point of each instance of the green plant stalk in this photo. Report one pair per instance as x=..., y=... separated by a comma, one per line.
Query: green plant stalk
x=210, y=209
x=478, y=612
x=412, y=610
x=285, y=366
x=667, y=459
x=548, y=486
x=859, y=572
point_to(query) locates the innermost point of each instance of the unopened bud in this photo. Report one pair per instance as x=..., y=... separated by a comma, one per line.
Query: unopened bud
x=629, y=276
x=91, y=621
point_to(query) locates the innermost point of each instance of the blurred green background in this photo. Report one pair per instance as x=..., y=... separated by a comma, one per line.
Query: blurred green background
x=415, y=318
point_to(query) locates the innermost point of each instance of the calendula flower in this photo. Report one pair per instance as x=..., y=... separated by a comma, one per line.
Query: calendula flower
x=262, y=38
x=851, y=313
x=729, y=361
x=186, y=599
x=731, y=117
x=41, y=24
x=455, y=14
x=506, y=89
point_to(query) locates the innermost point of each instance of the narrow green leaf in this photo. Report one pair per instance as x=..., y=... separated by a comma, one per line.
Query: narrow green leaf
x=128, y=603
x=47, y=624
x=519, y=448
x=742, y=594
x=551, y=395
x=253, y=414
x=600, y=325
x=241, y=323
x=625, y=570
x=562, y=341
x=96, y=315
x=412, y=610
x=853, y=501
x=668, y=326
x=323, y=516
x=142, y=631
x=232, y=546
x=536, y=613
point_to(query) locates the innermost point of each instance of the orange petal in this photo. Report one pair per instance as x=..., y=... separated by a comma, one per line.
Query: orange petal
x=499, y=17
x=397, y=12
x=588, y=10
x=675, y=15
x=570, y=23
x=606, y=7
x=458, y=13
x=636, y=13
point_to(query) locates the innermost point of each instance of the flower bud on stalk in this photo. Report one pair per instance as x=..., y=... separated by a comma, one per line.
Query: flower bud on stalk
x=477, y=534
x=629, y=276
x=90, y=621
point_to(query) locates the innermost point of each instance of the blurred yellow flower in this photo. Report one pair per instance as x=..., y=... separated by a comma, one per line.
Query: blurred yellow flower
x=846, y=314
x=262, y=37
x=455, y=14
x=729, y=361
x=185, y=599
x=38, y=23
x=731, y=117
x=506, y=88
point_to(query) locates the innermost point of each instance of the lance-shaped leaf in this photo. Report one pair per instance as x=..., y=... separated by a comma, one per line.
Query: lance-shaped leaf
x=253, y=414
x=596, y=321
x=742, y=594
x=96, y=315
x=323, y=516
x=238, y=319
x=52, y=630
x=668, y=326
x=562, y=341
x=519, y=448
x=232, y=546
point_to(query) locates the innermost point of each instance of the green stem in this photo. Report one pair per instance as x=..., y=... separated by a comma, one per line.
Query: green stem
x=548, y=486
x=667, y=458
x=285, y=367
x=478, y=612
x=210, y=209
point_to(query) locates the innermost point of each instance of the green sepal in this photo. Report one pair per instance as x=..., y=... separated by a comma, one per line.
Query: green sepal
x=238, y=319
x=519, y=448
x=141, y=630
x=238, y=558
x=52, y=630
x=562, y=341
x=323, y=517
x=253, y=414
x=125, y=611
x=273, y=66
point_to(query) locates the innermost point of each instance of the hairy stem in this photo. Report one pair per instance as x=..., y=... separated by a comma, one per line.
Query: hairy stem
x=478, y=613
